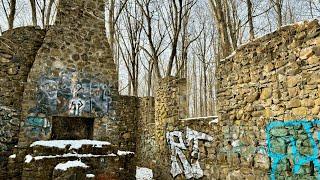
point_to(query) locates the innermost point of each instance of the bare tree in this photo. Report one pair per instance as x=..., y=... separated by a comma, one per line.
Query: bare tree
x=250, y=19
x=10, y=16
x=278, y=5
x=219, y=14
x=34, y=12
x=48, y=15
x=12, y=13
x=42, y=7
x=115, y=9
x=130, y=51
x=151, y=28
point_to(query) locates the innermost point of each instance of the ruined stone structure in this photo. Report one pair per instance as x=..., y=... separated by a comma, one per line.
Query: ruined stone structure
x=268, y=93
x=18, y=49
x=62, y=117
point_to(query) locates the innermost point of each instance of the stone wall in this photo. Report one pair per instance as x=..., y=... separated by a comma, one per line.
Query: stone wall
x=167, y=112
x=128, y=119
x=145, y=140
x=266, y=92
x=18, y=49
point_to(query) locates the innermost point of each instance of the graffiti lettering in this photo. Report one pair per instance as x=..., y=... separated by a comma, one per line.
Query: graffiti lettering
x=192, y=170
x=70, y=94
x=283, y=144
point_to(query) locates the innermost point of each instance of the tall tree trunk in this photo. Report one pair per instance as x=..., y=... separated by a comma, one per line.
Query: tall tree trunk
x=219, y=16
x=49, y=12
x=278, y=8
x=12, y=13
x=205, y=103
x=43, y=12
x=34, y=12
x=129, y=85
x=250, y=19
x=200, y=90
x=149, y=79
x=111, y=22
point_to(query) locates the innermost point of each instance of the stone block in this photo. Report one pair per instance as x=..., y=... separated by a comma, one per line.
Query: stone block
x=301, y=111
x=266, y=93
x=293, y=103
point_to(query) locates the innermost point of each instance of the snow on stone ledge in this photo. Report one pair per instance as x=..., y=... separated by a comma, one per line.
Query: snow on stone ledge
x=90, y=175
x=124, y=153
x=143, y=173
x=74, y=144
x=28, y=158
x=73, y=155
x=12, y=156
x=70, y=164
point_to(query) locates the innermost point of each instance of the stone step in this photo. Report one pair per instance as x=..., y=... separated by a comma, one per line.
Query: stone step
x=113, y=166
x=60, y=147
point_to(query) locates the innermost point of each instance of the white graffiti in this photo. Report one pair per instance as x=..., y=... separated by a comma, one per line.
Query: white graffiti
x=192, y=170
x=76, y=106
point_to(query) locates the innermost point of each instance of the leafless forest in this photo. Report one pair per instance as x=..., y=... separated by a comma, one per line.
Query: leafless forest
x=153, y=39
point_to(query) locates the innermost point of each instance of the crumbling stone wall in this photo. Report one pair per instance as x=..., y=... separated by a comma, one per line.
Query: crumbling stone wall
x=167, y=112
x=266, y=91
x=145, y=132
x=128, y=120
x=267, y=98
x=18, y=49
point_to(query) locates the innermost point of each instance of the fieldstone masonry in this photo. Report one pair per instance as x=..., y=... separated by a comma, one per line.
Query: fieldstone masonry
x=266, y=92
x=268, y=108
x=18, y=49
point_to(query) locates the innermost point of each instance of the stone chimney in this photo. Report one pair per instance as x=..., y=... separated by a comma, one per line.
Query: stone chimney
x=73, y=83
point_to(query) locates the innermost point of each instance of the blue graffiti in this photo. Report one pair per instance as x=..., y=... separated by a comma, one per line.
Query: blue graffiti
x=298, y=158
x=38, y=125
x=35, y=121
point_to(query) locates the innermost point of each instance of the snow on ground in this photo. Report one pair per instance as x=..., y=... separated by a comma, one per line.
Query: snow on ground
x=143, y=173
x=28, y=158
x=70, y=164
x=12, y=156
x=75, y=144
x=90, y=175
x=123, y=153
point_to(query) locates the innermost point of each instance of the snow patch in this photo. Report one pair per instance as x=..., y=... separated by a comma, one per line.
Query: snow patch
x=230, y=56
x=28, y=158
x=70, y=164
x=73, y=155
x=90, y=175
x=74, y=144
x=12, y=156
x=143, y=173
x=124, y=153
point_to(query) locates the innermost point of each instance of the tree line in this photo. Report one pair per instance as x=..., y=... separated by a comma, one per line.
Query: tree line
x=152, y=39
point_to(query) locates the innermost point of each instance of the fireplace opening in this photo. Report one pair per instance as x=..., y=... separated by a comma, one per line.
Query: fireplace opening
x=72, y=128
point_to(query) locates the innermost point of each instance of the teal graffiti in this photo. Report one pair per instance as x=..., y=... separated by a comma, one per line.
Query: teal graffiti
x=38, y=125
x=35, y=121
x=298, y=159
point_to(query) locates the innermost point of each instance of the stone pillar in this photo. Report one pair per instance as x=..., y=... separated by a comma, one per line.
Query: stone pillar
x=18, y=48
x=169, y=98
x=145, y=144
